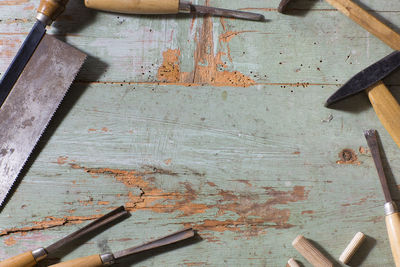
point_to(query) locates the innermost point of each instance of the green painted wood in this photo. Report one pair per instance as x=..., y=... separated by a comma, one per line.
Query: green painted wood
x=249, y=167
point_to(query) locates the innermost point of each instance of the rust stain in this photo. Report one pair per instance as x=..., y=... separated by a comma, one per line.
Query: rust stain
x=348, y=156
x=362, y=201
x=104, y=129
x=167, y=161
x=86, y=202
x=207, y=66
x=244, y=182
x=92, y=130
x=49, y=222
x=103, y=203
x=10, y=241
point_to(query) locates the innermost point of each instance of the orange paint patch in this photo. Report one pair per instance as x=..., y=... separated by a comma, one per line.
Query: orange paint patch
x=364, y=150
x=307, y=212
x=92, y=130
x=167, y=161
x=10, y=241
x=8, y=46
x=207, y=66
x=250, y=210
x=62, y=160
x=103, y=203
x=13, y=2
x=49, y=222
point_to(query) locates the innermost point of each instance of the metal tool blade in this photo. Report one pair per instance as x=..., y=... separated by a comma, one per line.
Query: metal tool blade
x=32, y=103
x=372, y=141
x=207, y=10
x=21, y=59
x=173, y=238
x=367, y=77
x=93, y=226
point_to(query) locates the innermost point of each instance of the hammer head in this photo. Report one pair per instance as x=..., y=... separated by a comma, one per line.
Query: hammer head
x=367, y=77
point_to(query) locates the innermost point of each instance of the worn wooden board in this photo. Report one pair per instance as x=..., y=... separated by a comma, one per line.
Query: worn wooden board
x=213, y=123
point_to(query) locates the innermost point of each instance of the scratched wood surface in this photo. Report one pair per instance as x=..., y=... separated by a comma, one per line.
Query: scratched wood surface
x=217, y=124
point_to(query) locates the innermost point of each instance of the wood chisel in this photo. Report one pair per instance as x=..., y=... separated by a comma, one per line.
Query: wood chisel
x=167, y=7
x=112, y=258
x=31, y=258
x=391, y=211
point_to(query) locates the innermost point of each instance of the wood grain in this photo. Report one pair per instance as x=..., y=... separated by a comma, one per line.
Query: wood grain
x=249, y=167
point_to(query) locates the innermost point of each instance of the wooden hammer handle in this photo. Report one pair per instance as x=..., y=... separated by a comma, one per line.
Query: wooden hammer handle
x=387, y=109
x=52, y=8
x=136, y=6
x=90, y=261
x=368, y=22
x=23, y=260
x=393, y=228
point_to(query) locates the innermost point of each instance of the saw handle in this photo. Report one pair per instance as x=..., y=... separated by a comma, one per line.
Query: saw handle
x=23, y=260
x=90, y=261
x=387, y=109
x=52, y=8
x=135, y=6
x=393, y=229
x=368, y=22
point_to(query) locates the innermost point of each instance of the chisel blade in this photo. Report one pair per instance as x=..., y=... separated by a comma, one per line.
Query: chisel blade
x=31, y=104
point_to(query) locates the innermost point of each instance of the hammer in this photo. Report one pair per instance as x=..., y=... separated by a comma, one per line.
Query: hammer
x=385, y=105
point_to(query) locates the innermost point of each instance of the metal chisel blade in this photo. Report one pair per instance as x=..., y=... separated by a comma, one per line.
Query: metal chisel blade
x=31, y=104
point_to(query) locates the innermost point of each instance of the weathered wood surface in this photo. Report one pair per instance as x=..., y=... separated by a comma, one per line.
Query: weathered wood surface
x=213, y=123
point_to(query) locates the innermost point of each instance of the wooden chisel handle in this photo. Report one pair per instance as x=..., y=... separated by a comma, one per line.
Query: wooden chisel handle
x=387, y=109
x=51, y=9
x=393, y=228
x=23, y=260
x=90, y=261
x=368, y=22
x=136, y=6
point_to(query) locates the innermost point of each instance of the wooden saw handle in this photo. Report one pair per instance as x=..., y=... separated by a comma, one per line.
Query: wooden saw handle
x=90, y=261
x=23, y=260
x=52, y=8
x=368, y=22
x=393, y=229
x=136, y=6
x=387, y=109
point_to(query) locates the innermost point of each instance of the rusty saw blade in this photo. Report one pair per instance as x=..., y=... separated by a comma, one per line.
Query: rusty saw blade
x=31, y=104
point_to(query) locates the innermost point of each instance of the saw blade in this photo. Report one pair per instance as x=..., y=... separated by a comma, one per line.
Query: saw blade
x=31, y=104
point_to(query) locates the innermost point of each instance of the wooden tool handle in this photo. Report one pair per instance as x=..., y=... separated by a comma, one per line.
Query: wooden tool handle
x=52, y=8
x=90, y=261
x=311, y=253
x=136, y=6
x=387, y=109
x=368, y=22
x=23, y=260
x=393, y=228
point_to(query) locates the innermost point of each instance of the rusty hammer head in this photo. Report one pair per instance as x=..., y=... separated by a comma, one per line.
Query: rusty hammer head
x=367, y=77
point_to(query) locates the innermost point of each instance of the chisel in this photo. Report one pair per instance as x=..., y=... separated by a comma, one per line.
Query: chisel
x=112, y=258
x=391, y=211
x=31, y=258
x=167, y=7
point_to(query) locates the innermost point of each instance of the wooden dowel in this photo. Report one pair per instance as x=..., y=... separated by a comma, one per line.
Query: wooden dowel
x=352, y=247
x=292, y=263
x=312, y=255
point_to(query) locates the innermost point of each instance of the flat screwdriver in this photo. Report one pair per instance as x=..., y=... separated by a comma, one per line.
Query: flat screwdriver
x=392, y=217
x=31, y=258
x=112, y=258
x=167, y=7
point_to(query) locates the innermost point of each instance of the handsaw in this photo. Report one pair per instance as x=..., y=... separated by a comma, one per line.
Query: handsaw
x=31, y=104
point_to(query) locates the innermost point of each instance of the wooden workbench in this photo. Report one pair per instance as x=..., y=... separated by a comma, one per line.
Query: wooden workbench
x=218, y=124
